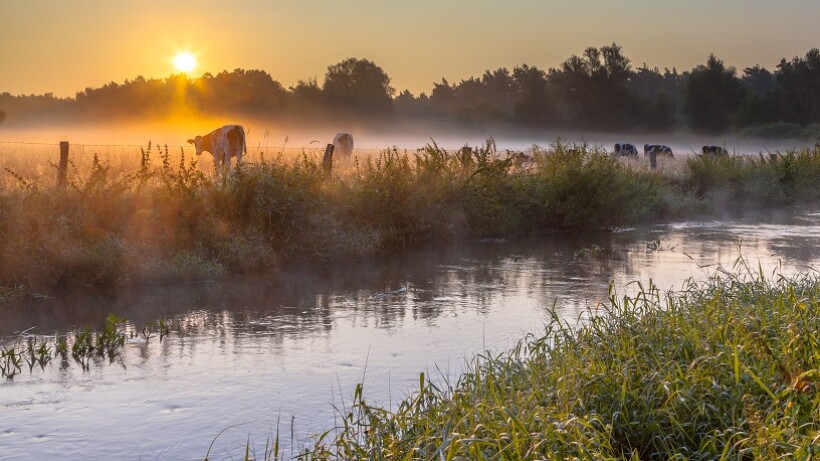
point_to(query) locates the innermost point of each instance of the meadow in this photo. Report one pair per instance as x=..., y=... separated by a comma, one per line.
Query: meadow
x=727, y=370
x=157, y=214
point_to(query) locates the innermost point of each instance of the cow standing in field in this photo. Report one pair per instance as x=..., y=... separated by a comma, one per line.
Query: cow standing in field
x=223, y=143
x=343, y=146
x=657, y=149
x=521, y=161
x=626, y=150
x=714, y=151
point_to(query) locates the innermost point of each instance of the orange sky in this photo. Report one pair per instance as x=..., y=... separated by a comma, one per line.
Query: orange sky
x=63, y=47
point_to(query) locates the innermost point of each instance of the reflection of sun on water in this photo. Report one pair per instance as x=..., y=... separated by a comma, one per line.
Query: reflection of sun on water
x=185, y=62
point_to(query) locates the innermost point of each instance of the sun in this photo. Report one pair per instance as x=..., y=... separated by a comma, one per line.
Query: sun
x=185, y=62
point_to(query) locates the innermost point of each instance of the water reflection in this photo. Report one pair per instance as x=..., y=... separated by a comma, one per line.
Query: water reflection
x=256, y=349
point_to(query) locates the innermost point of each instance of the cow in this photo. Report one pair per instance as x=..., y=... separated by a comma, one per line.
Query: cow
x=343, y=146
x=520, y=160
x=626, y=150
x=714, y=151
x=657, y=149
x=223, y=143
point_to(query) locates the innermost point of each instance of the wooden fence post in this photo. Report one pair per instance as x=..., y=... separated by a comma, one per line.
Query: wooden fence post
x=327, y=160
x=653, y=159
x=62, y=168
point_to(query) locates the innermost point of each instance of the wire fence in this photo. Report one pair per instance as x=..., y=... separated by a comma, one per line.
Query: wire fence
x=37, y=159
x=176, y=146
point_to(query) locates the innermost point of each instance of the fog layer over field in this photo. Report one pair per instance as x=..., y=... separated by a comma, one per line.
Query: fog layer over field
x=273, y=135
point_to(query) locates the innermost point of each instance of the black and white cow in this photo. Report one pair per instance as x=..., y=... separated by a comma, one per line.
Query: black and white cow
x=715, y=151
x=223, y=143
x=657, y=149
x=626, y=150
x=343, y=146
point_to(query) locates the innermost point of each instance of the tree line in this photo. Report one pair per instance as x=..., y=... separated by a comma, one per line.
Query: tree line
x=599, y=89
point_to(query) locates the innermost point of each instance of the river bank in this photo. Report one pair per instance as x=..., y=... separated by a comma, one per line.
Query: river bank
x=727, y=369
x=167, y=221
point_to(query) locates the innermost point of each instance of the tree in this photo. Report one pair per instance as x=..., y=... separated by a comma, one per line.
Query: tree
x=531, y=102
x=757, y=106
x=594, y=88
x=798, y=88
x=758, y=80
x=410, y=106
x=2, y=116
x=713, y=94
x=443, y=98
x=359, y=85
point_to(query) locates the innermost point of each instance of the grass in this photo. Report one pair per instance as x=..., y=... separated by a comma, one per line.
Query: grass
x=83, y=346
x=160, y=217
x=724, y=370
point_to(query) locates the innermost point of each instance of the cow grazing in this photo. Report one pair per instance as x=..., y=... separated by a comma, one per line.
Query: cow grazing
x=343, y=146
x=626, y=150
x=521, y=160
x=223, y=143
x=714, y=151
x=657, y=149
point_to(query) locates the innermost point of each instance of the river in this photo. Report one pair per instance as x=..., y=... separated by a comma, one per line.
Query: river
x=283, y=352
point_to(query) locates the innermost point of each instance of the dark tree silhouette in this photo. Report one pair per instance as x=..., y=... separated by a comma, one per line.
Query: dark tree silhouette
x=713, y=94
x=758, y=105
x=360, y=86
x=407, y=105
x=799, y=88
x=595, y=88
x=531, y=101
x=443, y=98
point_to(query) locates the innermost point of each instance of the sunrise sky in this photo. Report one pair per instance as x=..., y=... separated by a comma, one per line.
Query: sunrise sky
x=63, y=47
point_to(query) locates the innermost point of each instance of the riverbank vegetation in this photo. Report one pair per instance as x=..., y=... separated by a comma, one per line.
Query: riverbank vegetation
x=85, y=346
x=724, y=370
x=164, y=219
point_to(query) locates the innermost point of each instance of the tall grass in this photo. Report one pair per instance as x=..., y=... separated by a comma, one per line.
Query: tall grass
x=724, y=370
x=164, y=219
x=766, y=180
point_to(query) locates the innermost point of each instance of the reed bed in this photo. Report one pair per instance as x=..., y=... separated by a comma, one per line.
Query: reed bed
x=727, y=370
x=159, y=214
x=85, y=346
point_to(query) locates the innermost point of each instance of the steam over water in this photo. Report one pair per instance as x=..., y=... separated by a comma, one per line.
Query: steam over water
x=256, y=352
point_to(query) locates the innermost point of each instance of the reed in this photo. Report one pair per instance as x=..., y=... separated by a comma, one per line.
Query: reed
x=727, y=369
x=162, y=218
x=83, y=346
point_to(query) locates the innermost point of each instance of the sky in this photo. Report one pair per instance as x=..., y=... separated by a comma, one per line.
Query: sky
x=63, y=46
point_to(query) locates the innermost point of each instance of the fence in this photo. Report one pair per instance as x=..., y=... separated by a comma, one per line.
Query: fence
x=37, y=159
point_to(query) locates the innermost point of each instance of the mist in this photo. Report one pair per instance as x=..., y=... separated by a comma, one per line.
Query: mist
x=272, y=134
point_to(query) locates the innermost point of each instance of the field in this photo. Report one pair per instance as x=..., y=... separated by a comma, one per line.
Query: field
x=154, y=213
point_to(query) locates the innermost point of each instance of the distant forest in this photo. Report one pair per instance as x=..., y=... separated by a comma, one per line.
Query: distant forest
x=596, y=90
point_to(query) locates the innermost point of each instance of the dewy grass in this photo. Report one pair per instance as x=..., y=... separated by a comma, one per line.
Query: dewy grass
x=726, y=370
x=163, y=219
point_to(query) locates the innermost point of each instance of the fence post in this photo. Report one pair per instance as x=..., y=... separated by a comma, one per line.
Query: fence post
x=62, y=168
x=653, y=159
x=327, y=160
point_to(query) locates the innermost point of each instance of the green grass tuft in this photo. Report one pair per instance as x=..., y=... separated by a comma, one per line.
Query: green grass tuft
x=726, y=370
